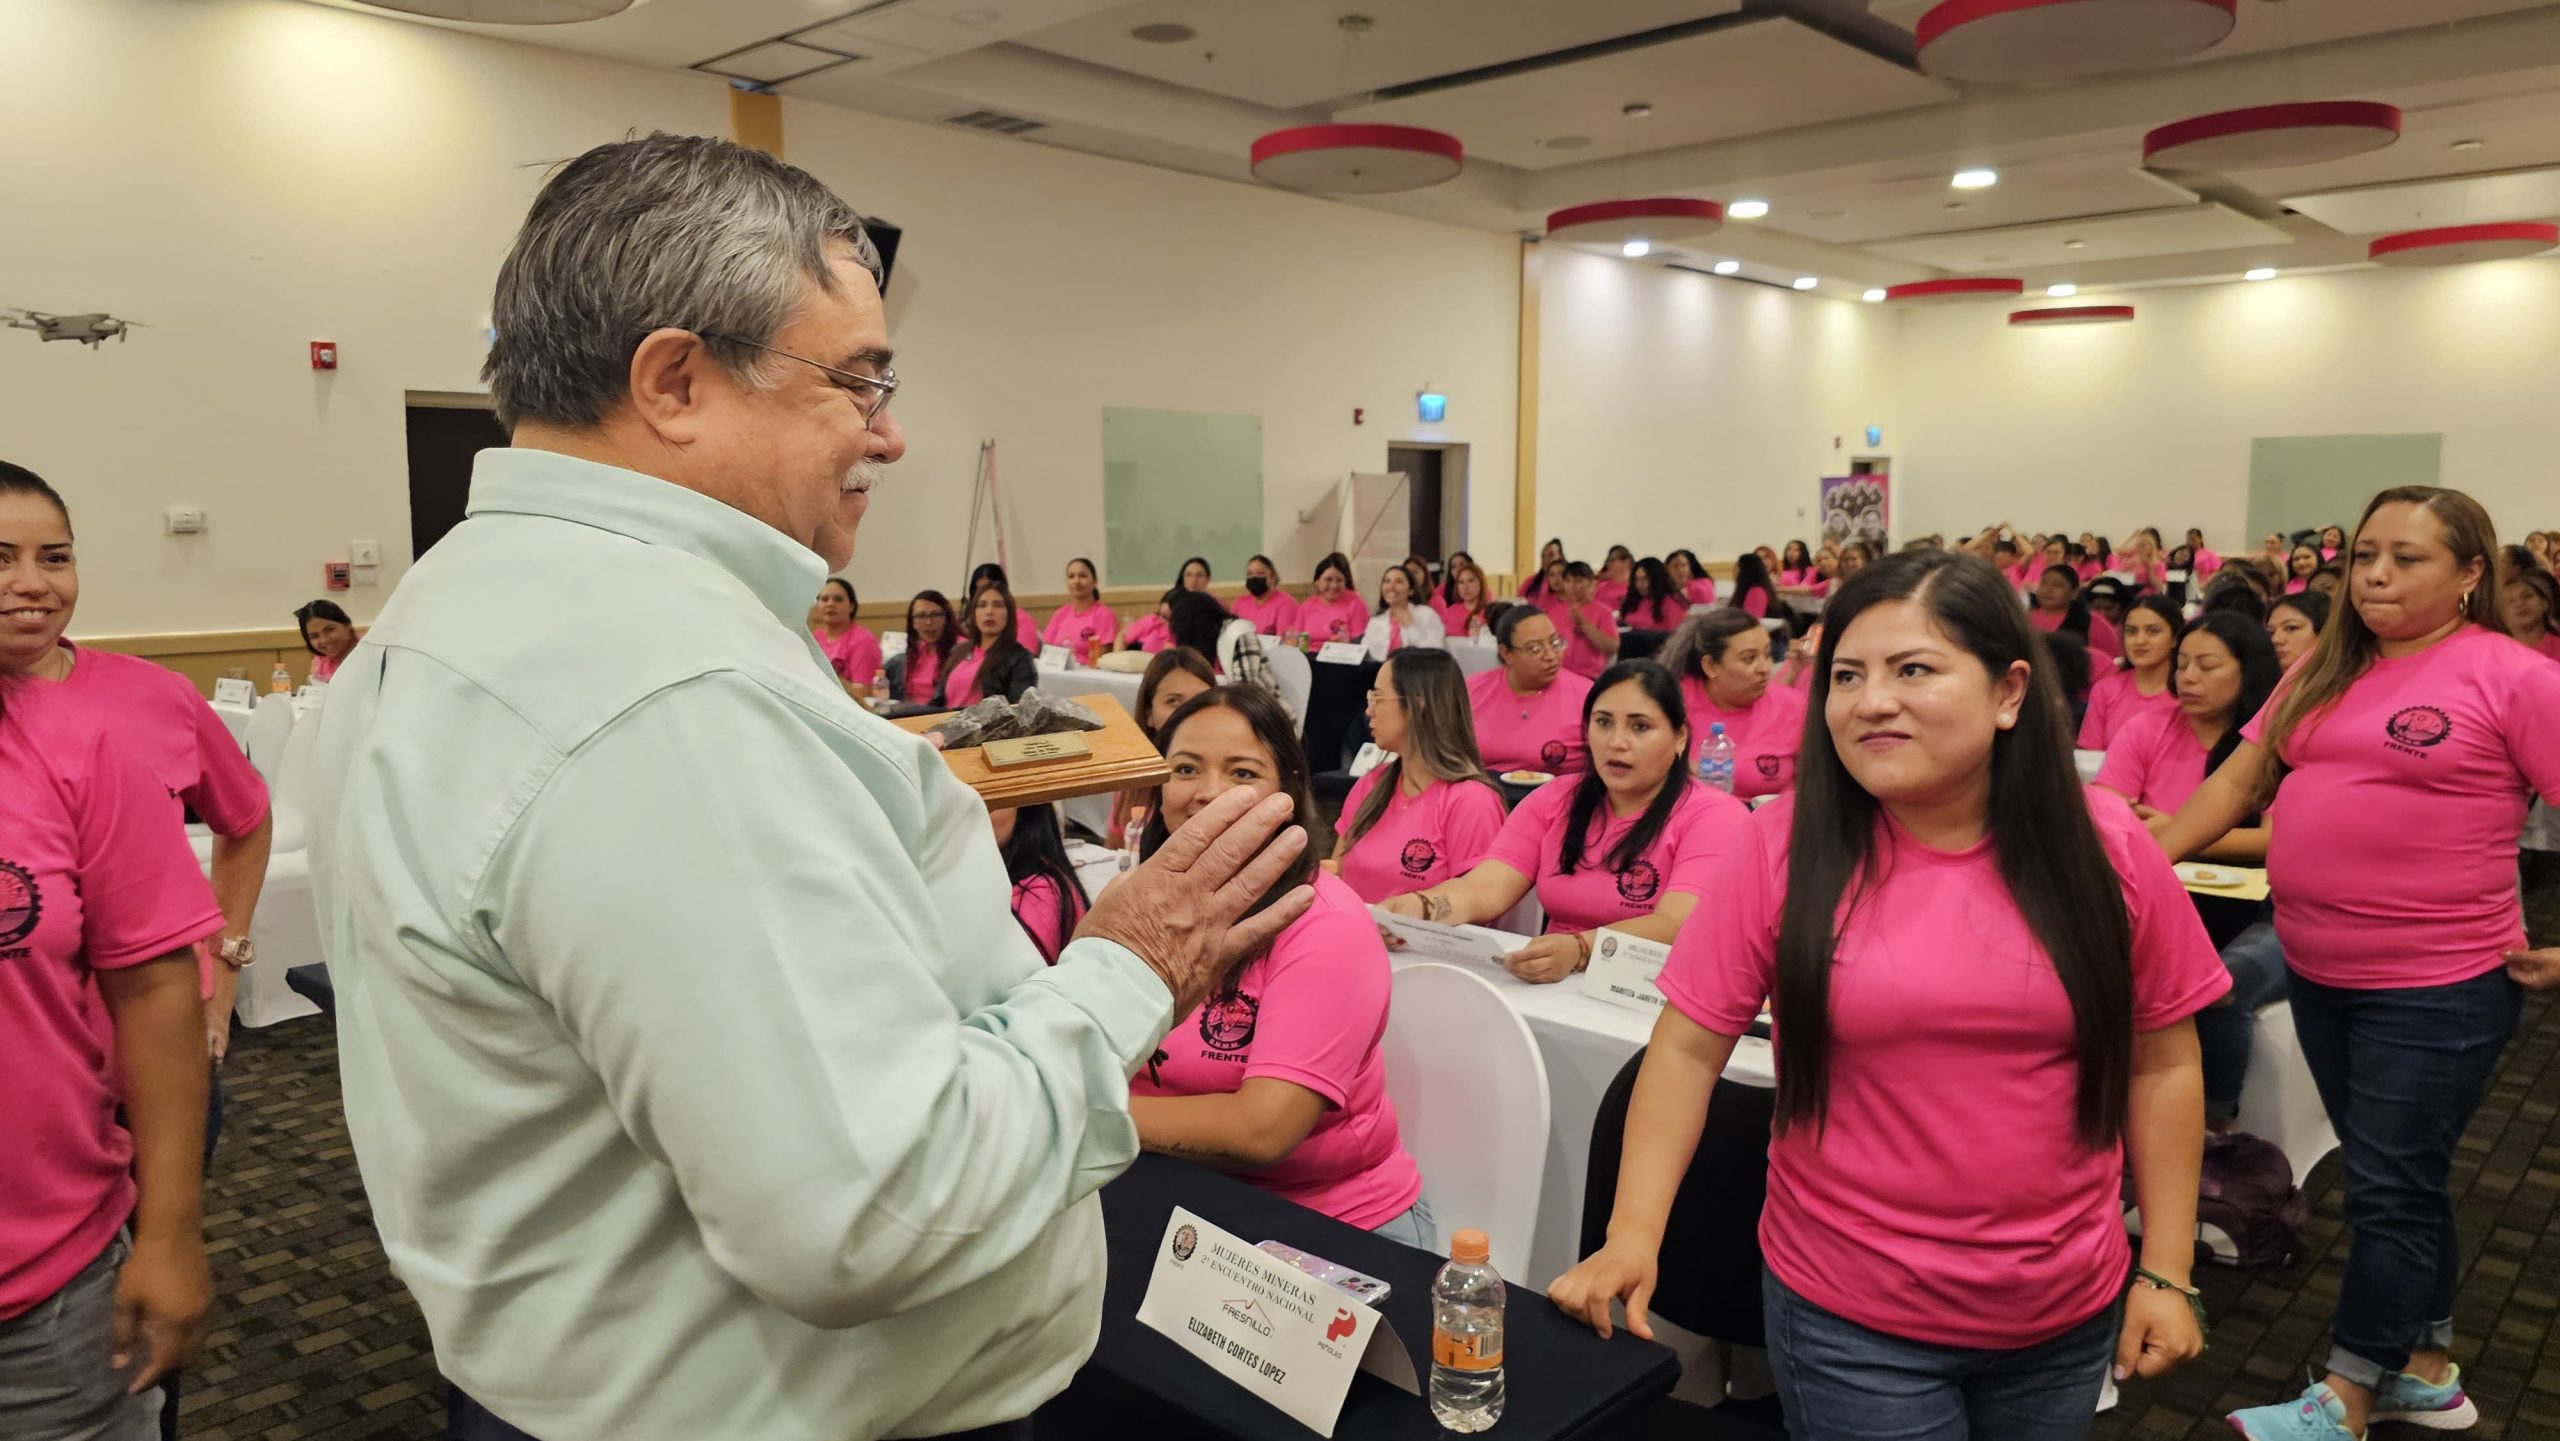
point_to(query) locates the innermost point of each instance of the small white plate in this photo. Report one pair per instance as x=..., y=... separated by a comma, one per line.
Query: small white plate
x=1528, y=778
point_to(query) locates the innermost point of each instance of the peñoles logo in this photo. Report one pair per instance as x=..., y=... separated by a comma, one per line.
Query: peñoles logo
x=1420, y=855
x=1638, y=884
x=1226, y=1022
x=21, y=904
x=1342, y=1325
x=2419, y=726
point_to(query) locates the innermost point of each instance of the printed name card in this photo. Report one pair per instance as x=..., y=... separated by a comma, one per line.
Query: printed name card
x=1622, y=971
x=1269, y=1327
x=1342, y=652
x=1434, y=941
x=1371, y=753
x=1057, y=657
x=235, y=691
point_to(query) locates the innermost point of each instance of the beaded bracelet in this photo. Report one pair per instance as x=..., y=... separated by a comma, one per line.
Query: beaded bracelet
x=2195, y=1298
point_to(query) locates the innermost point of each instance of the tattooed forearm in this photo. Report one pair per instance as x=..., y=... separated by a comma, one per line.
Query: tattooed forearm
x=1435, y=906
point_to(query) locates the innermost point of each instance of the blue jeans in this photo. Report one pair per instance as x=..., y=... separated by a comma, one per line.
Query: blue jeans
x=2400, y=1072
x=55, y=1376
x=1414, y=1228
x=1840, y=1381
x=2256, y=963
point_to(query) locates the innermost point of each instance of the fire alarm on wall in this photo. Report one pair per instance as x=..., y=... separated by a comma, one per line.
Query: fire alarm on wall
x=324, y=355
x=333, y=574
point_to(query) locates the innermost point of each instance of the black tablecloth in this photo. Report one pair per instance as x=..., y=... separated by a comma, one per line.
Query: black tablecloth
x=1337, y=711
x=1561, y=1380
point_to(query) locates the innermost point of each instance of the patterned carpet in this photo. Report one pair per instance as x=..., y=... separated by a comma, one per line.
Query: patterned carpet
x=315, y=1340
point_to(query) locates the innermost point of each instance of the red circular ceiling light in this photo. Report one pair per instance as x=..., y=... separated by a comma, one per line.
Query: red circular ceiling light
x=1615, y=222
x=2039, y=42
x=1948, y=292
x=1357, y=159
x=2072, y=315
x=2271, y=137
x=2462, y=244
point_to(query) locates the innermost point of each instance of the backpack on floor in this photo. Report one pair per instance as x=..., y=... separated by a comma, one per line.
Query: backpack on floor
x=2249, y=1214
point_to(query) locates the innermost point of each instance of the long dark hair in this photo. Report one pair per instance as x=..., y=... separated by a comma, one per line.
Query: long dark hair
x=988, y=573
x=1537, y=582
x=18, y=480
x=2170, y=616
x=1797, y=556
x=950, y=627
x=2259, y=672
x=1005, y=644
x=2076, y=618
x=1440, y=733
x=1196, y=619
x=1278, y=733
x=1657, y=578
x=1168, y=660
x=2234, y=593
x=2042, y=838
x=1449, y=576
x=1751, y=573
x=1038, y=849
x=1333, y=561
x=1590, y=793
x=2312, y=604
x=852, y=602
x=310, y=611
x=1184, y=569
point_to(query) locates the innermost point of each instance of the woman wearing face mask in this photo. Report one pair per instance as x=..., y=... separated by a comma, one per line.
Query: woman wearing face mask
x=1528, y=710
x=1628, y=844
x=1401, y=621
x=1463, y=614
x=104, y=1286
x=1084, y=625
x=996, y=662
x=1948, y=930
x=1722, y=659
x=2294, y=623
x=992, y=574
x=2415, y=709
x=1689, y=576
x=2059, y=607
x=933, y=633
x=1617, y=572
x=1429, y=811
x=1277, y=1077
x=2144, y=683
x=2530, y=601
x=1172, y=678
x=2300, y=563
x=1590, y=629
x=852, y=651
x=1048, y=900
x=1272, y=610
x=1335, y=612
x=1652, y=602
x=2226, y=671
x=329, y=635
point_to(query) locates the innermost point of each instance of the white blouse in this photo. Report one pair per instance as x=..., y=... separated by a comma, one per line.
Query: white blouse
x=1423, y=630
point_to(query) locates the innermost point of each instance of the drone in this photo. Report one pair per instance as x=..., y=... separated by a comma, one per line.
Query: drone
x=89, y=330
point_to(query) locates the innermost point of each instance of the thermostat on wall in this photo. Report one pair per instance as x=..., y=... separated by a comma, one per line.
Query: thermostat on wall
x=182, y=520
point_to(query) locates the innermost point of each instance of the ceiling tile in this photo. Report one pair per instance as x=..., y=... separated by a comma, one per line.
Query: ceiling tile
x=2462, y=200
x=2186, y=230
x=777, y=60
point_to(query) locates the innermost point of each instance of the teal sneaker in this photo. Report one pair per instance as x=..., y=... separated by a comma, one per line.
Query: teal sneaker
x=2318, y=1416
x=2437, y=1408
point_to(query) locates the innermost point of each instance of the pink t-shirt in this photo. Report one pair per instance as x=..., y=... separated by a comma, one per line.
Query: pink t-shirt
x=924, y=672
x=1766, y=735
x=2103, y=640
x=1455, y=619
x=1035, y=906
x=2394, y=854
x=322, y=668
x=1085, y=633
x=1148, y=632
x=962, y=687
x=1540, y=732
x=2297, y=585
x=1276, y=613
x=1704, y=829
x=2548, y=646
x=2206, y=562
x=1344, y=618
x=2116, y=700
x=854, y=655
x=1701, y=591
x=2090, y=570
x=1802, y=577
x=1948, y=1199
x=1755, y=603
x=95, y=875
x=1665, y=614
x=165, y=724
x=1581, y=657
x=2156, y=760
x=1609, y=592
x=1310, y=1012
x=1419, y=841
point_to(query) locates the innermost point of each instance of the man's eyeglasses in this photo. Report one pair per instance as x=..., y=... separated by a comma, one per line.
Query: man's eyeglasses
x=871, y=393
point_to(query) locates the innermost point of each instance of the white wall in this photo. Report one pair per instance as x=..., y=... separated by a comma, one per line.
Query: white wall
x=2111, y=427
x=1678, y=409
x=245, y=176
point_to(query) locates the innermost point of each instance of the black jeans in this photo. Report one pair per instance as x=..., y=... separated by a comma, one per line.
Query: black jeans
x=2400, y=1072
x=468, y=1420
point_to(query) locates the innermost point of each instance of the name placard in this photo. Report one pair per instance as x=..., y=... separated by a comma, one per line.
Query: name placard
x=235, y=691
x=1057, y=657
x=1371, y=753
x=1623, y=969
x=1262, y=1323
x=1035, y=750
x=1342, y=652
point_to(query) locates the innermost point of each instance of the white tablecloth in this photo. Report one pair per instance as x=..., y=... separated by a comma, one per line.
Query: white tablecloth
x=1475, y=655
x=236, y=719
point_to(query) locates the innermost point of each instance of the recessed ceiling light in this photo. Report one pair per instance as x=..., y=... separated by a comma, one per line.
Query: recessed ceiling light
x=1635, y=249
x=2075, y=245
x=1953, y=205
x=1975, y=179
x=2263, y=272
x=1747, y=209
x=2470, y=144
x=1567, y=142
x=1163, y=33
x=2059, y=291
x=1875, y=294
x=1728, y=267
x=1807, y=282
x=1636, y=110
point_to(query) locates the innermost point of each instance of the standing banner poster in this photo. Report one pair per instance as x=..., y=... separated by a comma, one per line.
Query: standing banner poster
x=1857, y=507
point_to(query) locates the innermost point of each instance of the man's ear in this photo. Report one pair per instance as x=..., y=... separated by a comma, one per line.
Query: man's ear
x=669, y=372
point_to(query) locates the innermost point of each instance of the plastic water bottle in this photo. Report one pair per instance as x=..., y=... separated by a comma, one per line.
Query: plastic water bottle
x=282, y=681
x=1466, y=1337
x=1715, y=759
x=1130, y=835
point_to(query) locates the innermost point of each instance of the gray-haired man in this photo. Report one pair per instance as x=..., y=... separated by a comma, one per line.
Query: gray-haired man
x=702, y=1082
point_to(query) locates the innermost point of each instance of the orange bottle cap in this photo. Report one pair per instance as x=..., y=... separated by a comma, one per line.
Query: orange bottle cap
x=1471, y=1247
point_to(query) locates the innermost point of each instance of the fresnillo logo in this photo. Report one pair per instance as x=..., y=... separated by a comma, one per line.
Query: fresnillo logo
x=1248, y=1313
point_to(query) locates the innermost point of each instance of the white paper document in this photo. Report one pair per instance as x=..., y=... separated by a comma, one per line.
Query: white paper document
x=1622, y=971
x=1431, y=940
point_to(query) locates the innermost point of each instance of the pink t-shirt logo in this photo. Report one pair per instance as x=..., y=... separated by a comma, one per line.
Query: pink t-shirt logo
x=1768, y=765
x=1226, y=1022
x=21, y=906
x=1638, y=884
x=2417, y=727
x=1419, y=856
x=1341, y=629
x=1554, y=753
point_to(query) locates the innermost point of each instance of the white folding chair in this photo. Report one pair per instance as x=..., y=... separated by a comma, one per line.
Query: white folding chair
x=1296, y=679
x=2278, y=1102
x=1525, y=919
x=1470, y=1092
x=269, y=726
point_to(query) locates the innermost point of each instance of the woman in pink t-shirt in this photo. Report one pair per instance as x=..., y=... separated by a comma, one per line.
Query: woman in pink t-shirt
x=2332, y=540
x=1084, y=625
x=1153, y=632
x=2411, y=739
x=1528, y=710
x=2143, y=684
x=852, y=651
x=1272, y=610
x=1428, y=812
x=1026, y=630
x=1689, y=577
x=1722, y=659
x=1048, y=900
x=1464, y=599
x=2294, y=623
x=1652, y=602
x=996, y=662
x=1616, y=573
x=1335, y=612
x=1628, y=844
x=2530, y=602
x=328, y=634
x=1981, y=984
x=2299, y=565
x=2058, y=606
x=1590, y=629
x=933, y=633
x=2205, y=561
x=1753, y=591
x=1278, y=1076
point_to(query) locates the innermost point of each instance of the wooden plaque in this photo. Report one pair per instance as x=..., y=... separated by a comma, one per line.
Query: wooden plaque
x=1118, y=758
